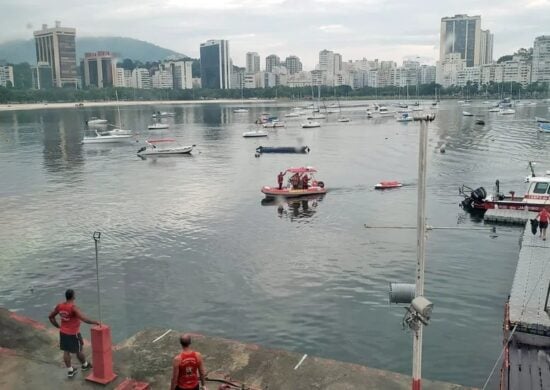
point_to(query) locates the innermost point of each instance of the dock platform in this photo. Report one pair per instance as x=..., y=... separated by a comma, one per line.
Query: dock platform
x=509, y=216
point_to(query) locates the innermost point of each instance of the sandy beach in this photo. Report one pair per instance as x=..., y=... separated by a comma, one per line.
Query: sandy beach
x=42, y=106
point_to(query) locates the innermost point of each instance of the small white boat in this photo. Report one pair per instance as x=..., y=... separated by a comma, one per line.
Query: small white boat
x=418, y=109
x=273, y=124
x=163, y=114
x=117, y=131
x=103, y=138
x=158, y=126
x=96, y=121
x=343, y=119
x=383, y=111
x=254, y=134
x=292, y=115
x=163, y=147
x=310, y=124
x=240, y=110
x=404, y=118
x=466, y=113
x=507, y=111
x=316, y=116
x=542, y=120
x=494, y=109
x=333, y=111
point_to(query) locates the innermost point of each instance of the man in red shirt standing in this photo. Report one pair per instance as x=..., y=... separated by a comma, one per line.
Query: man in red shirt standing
x=70, y=339
x=543, y=222
x=280, y=179
x=187, y=368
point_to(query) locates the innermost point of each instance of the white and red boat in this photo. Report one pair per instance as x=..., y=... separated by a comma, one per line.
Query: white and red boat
x=295, y=186
x=384, y=185
x=536, y=197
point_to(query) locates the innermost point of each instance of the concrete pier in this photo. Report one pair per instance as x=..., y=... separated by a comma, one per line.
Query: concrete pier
x=30, y=359
x=509, y=216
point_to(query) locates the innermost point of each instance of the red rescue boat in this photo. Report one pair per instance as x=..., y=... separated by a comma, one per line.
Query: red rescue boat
x=301, y=183
x=384, y=185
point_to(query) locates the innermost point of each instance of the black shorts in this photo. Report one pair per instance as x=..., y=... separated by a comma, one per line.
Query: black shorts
x=196, y=388
x=70, y=342
x=543, y=225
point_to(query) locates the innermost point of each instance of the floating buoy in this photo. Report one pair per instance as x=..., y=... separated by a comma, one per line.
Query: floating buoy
x=442, y=149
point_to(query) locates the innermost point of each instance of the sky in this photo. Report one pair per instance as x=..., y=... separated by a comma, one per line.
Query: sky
x=383, y=29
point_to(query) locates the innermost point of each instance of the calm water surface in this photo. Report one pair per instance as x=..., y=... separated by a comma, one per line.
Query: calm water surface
x=187, y=243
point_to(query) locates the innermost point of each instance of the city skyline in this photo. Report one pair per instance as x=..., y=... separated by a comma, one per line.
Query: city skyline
x=355, y=29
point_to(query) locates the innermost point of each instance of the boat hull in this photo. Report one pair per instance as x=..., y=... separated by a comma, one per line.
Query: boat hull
x=111, y=139
x=285, y=192
x=166, y=152
x=282, y=149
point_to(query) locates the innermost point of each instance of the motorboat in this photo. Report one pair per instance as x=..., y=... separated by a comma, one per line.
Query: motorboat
x=96, y=121
x=542, y=120
x=102, y=138
x=310, y=125
x=295, y=187
x=294, y=114
x=163, y=147
x=333, y=111
x=163, y=114
x=316, y=116
x=480, y=122
x=384, y=111
x=273, y=124
x=507, y=111
x=343, y=119
x=494, y=109
x=282, y=149
x=385, y=185
x=466, y=113
x=544, y=127
x=405, y=117
x=536, y=197
x=158, y=126
x=254, y=134
x=240, y=110
x=117, y=131
x=418, y=109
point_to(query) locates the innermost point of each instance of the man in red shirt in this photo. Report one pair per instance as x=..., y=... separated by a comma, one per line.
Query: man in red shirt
x=543, y=222
x=70, y=339
x=187, y=368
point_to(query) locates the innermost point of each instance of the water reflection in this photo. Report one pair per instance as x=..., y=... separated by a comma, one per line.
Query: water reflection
x=294, y=209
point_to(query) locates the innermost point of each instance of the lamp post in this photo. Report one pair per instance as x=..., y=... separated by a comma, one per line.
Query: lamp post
x=97, y=237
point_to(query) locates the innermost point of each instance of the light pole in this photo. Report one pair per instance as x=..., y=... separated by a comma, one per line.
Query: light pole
x=97, y=237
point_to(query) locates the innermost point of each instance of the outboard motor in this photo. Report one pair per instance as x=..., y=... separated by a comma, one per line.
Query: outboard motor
x=142, y=149
x=478, y=194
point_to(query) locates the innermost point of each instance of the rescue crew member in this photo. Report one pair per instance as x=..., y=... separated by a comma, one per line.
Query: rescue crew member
x=70, y=339
x=305, y=180
x=295, y=181
x=280, y=178
x=187, y=368
x=543, y=222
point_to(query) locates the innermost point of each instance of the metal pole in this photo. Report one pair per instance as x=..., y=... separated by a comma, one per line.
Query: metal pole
x=420, y=249
x=97, y=237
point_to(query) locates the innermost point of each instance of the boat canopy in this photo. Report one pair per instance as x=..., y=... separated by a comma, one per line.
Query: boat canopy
x=153, y=141
x=302, y=170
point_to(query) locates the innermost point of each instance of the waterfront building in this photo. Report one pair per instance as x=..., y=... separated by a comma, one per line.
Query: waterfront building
x=486, y=47
x=427, y=74
x=123, y=78
x=318, y=77
x=141, y=78
x=215, y=64
x=299, y=79
x=516, y=71
x=162, y=78
x=252, y=62
x=99, y=69
x=56, y=46
x=461, y=34
x=468, y=75
x=541, y=60
x=491, y=73
x=6, y=76
x=237, y=77
x=182, y=76
x=447, y=70
x=272, y=61
x=293, y=64
x=267, y=80
x=42, y=77
x=252, y=80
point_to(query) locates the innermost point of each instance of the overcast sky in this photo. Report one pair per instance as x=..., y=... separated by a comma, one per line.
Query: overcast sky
x=388, y=30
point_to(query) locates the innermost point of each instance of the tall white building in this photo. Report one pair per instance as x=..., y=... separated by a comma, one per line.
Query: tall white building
x=541, y=59
x=141, y=78
x=252, y=62
x=272, y=61
x=486, y=47
x=99, y=69
x=182, y=73
x=427, y=74
x=123, y=78
x=162, y=79
x=461, y=34
x=293, y=64
x=447, y=70
x=6, y=76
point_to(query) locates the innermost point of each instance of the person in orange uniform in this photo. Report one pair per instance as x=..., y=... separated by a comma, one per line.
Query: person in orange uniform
x=543, y=222
x=280, y=179
x=305, y=181
x=187, y=368
x=70, y=339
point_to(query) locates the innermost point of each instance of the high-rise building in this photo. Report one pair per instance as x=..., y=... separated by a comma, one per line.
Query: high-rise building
x=427, y=74
x=271, y=61
x=447, y=70
x=252, y=62
x=123, y=78
x=461, y=34
x=162, y=78
x=486, y=47
x=541, y=59
x=326, y=61
x=99, y=69
x=215, y=64
x=293, y=64
x=42, y=76
x=6, y=76
x=56, y=46
x=141, y=78
x=182, y=73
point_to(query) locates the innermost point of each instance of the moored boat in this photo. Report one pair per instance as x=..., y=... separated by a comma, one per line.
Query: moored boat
x=466, y=113
x=273, y=124
x=282, y=149
x=163, y=114
x=343, y=119
x=384, y=185
x=158, y=126
x=254, y=134
x=310, y=124
x=507, y=111
x=96, y=121
x=103, y=138
x=157, y=147
x=405, y=117
x=301, y=183
x=544, y=127
x=542, y=120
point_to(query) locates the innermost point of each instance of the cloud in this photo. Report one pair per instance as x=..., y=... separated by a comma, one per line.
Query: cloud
x=334, y=29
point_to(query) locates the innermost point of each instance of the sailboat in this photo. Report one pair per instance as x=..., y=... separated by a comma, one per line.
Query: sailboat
x=316, y=113
x=241, y=110
x=117, y=130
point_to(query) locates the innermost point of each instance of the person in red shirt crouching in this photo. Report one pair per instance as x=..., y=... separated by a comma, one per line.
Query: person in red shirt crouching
x=187, y=368
x=70, y=339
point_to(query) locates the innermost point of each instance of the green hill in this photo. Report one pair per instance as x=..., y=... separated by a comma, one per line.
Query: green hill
x=23, y=50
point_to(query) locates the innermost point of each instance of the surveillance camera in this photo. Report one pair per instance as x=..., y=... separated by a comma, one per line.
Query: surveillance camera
x=423, y=307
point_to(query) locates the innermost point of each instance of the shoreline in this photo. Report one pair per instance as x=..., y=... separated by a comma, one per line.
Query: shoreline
x=41, y=106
